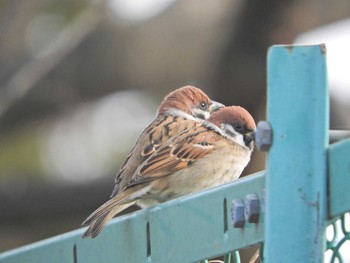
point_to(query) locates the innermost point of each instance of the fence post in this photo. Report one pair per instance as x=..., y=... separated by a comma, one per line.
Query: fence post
x=298, y=110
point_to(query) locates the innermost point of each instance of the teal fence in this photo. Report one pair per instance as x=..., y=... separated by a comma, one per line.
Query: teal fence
x=288, y=207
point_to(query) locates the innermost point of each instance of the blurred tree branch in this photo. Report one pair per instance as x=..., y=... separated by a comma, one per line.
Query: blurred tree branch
x=65, y=42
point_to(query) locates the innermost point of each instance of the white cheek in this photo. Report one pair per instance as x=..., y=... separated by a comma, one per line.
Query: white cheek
x=233, y=135
x=240, y=139
x=202, y=114
x=206, y=115
x=229, y=128
x=179, y=113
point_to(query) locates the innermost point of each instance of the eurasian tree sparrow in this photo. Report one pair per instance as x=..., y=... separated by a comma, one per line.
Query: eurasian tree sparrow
x=205, y=155
x=184, y=106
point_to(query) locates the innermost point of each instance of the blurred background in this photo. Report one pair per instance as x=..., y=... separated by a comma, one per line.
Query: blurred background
x=79, y=80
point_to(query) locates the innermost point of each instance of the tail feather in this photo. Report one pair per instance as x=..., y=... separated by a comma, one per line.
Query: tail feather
x=106, y=207
x=100, y=222
x=95, y=227
x=102, y=215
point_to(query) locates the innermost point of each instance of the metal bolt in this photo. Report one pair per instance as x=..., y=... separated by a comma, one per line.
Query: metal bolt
x=263, y=136
x=237, y=213
x=252, y=208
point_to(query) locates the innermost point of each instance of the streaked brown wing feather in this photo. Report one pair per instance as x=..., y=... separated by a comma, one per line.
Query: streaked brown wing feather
x=179, y=153
x=154, y=136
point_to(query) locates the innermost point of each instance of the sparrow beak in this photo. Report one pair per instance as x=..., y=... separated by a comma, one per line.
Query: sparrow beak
x=215, y=106
x=249, y=137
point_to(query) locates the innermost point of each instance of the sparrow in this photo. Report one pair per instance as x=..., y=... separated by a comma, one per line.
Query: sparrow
x=178, y=111
x=204, y=155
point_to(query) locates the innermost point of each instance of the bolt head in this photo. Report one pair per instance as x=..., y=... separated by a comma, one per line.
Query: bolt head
x=263, y=136
x=252, y=208
x=237, y=213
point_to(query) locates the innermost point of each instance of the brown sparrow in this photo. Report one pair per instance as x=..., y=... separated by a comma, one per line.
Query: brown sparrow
x=204, y=155
x=183, y=107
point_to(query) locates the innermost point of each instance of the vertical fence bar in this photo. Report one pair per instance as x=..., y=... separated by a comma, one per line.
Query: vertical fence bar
x=296, y=179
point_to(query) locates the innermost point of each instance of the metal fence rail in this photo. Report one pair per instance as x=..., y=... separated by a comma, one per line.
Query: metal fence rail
x=183, y=230
x=307, y=188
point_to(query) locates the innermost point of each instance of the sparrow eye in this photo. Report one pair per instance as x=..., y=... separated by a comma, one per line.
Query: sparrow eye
x=203, y=105
x=238, y=127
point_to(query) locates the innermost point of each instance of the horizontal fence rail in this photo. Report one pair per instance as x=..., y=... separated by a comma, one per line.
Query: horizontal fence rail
x=187, y=229
x=339, y=178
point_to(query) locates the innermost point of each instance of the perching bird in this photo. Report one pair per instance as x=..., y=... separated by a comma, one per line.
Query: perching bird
x=184, y=106
x=204, y=155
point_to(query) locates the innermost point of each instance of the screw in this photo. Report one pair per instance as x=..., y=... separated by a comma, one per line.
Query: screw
x=252, y=208
x=263, y=136
x=237, y=213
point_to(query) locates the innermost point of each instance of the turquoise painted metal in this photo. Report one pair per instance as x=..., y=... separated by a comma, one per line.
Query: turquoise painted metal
x=187, y=229
x=297, y=168
x=339, y=178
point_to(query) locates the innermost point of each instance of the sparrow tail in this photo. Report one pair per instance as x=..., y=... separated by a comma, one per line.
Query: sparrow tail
x=102, y=215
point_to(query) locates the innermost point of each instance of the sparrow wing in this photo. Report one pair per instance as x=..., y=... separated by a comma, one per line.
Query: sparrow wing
x=154, y=136
x=178, y=153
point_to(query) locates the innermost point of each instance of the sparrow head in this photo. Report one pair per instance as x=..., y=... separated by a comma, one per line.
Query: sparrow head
x=189, y=100
x=236, y=124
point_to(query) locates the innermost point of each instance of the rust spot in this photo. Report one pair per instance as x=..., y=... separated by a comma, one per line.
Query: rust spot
x=289, y=48
x=319, y=222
